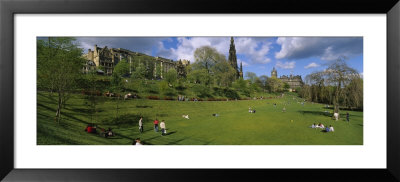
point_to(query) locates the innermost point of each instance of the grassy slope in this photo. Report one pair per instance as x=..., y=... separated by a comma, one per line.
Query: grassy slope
x=234, y=126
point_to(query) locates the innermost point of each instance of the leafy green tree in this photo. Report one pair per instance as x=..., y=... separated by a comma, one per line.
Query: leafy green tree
x=206, y=57
x=252, y=77
x=264, y=82
x=242, y=86
x=122, y=68
x=200, y=76
x=286, y=86
x=275, y=84
x=224, y=73
x=59, y=64
x=140, y=72
x=171, y=77
x=339, y=75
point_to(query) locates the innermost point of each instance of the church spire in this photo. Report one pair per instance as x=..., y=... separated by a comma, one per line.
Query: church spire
x=232, y=57
x=241, y=70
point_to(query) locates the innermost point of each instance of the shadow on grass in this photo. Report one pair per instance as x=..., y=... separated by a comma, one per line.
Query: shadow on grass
x=144, y=106
x=64, y=141
x=63, y=114
x=316, y=113
x=170, y=133
x=162, y=115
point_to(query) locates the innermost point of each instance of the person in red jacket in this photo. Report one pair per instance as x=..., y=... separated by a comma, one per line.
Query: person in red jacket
x=156, y=125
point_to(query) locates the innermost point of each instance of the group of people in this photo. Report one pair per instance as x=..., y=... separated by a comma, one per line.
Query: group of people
x=252, y=110
x=157, y=125
x=321, y=126
x=181, y=98
x=90, y=128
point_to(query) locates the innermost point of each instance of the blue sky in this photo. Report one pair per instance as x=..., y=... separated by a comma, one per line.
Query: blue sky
x=297, y=55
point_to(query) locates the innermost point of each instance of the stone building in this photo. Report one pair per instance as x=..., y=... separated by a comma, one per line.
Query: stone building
x=293, y=81
x=108, y=58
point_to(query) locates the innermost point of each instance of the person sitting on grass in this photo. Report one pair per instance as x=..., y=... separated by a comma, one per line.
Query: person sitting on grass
x=250, y=110
x=321, y=125
x=313, y=126
x=254, y=111
x=109, y=132
x=331, y=128
x=90, y=128
x=327, y=129
x=284, y=109
x=137, y=142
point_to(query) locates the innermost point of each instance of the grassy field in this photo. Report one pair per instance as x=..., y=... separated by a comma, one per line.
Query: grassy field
x=234, y=125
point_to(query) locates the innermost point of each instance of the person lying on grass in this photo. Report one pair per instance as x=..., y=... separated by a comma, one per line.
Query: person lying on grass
x=320, y=125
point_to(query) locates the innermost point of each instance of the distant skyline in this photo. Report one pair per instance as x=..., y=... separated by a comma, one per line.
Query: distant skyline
x=297, y=55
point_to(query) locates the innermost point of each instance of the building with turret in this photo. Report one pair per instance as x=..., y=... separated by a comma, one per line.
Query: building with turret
x=107, y=58
x=294, y=81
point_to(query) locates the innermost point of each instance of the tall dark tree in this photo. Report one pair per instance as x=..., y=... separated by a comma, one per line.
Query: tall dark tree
x=232, y=59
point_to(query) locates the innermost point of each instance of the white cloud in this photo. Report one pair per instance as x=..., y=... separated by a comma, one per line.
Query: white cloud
x=256, y=49
x=325, y=48
x=244, y=63
x=186, y=47
x=311, y=65
x=286, y=65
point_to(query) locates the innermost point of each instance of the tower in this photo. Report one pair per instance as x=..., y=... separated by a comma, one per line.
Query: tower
x=274, y=73
x=232, y=57
x=241, y=71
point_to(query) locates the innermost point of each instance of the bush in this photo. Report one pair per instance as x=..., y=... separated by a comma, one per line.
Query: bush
x=168, y=98
x=232, y=94
x=152, y=97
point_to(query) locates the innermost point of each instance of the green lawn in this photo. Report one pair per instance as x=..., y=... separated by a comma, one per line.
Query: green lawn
x=234, y=125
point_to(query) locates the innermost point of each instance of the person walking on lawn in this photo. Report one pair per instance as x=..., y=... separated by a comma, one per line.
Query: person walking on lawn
x=156, y=125
x=162, y=125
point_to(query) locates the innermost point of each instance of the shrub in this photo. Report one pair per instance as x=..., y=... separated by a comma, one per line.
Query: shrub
x=152, y=97
x=168, y=98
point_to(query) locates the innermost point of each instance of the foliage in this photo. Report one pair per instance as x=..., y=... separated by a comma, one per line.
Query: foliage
x=59, y=61
x=122, y=68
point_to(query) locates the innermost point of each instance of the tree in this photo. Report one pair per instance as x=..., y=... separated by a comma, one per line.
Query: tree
x=59, y=67
x=224, y=73
x=122, y=68
x=286, y=86
x=242, y=86
x=140, y=72
x=354, y=93
x=251, y=76
x=171, y=77
x=263, y=81
x=206, y=57
x=116, y=87
x=337, y=75
x=275, y=84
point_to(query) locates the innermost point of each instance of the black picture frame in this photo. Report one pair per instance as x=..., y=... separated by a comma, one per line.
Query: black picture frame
x=8, y=8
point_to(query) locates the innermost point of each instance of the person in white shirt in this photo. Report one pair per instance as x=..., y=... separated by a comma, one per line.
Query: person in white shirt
x=138, y=141
x=331, y=128
x=162, y=126
x=141, y=124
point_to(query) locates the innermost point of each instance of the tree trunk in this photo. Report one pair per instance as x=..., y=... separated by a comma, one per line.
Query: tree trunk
x=58, y=113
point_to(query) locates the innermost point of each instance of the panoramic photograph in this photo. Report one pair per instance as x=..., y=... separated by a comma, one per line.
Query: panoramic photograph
x=230, y=90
